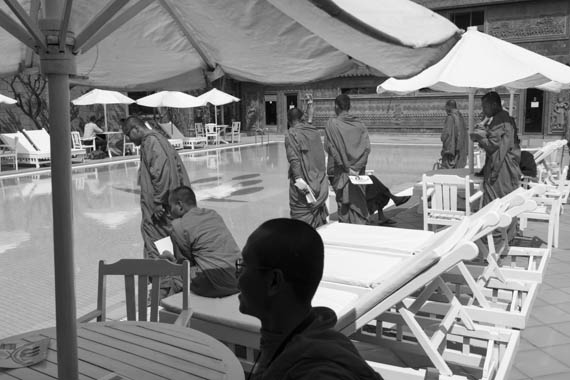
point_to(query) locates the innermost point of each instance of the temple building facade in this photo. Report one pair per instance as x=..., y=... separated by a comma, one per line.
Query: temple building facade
x=538, y=25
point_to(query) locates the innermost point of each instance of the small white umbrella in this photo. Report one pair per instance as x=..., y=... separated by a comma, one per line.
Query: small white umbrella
x=479, y=60
x=103, y=97
x=174, y=99
x=217, y=98
x=7, y=100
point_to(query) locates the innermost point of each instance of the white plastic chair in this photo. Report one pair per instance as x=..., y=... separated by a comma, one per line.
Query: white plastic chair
x=82, y=143
x=235, y=132
x=444, y=193
x=212, y=133
x=548, y=209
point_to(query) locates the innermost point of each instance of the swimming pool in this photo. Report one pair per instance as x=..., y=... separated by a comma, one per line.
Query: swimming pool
x=246, y=185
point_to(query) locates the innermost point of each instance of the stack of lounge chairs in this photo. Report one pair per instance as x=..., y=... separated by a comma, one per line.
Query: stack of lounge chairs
x=451, y=302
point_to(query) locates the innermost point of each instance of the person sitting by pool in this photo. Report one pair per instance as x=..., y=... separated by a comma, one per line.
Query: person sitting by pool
x=90, y=131
x=201, y=236
x=281, y=269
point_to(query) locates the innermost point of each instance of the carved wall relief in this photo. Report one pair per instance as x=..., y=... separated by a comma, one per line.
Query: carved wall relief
x=530, y=29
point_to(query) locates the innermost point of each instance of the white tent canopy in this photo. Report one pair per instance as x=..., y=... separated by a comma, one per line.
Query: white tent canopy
x=174, y=99
x=169, y=44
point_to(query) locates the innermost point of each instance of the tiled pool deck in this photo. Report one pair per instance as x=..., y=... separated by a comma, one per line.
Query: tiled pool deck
x=544, y=350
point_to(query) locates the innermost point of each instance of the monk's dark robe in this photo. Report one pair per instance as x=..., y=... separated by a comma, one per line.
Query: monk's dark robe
x=202, y=237
x=501, y=173
x=455, y=142
x=161, y=171
x=314, y=350
x=348, y=145
x=306, y=157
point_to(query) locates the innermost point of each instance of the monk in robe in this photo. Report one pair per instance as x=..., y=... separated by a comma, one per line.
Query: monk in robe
x=281, y=269
x=161, y=170
x=201, y=236
x=453, y=138
x=501, y=172
x=347, y=144
x=308, y=182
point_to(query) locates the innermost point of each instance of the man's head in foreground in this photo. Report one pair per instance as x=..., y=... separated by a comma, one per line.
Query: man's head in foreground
x=281, y=269
x=181, y=200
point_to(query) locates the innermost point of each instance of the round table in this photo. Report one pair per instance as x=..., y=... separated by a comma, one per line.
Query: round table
x=137, y=351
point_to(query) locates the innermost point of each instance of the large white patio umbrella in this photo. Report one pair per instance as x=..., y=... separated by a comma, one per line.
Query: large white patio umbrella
x=217, y=98
x=7, y=100
x=172, y=44
x=103, y=97
x=479, y=60
x=173, y=99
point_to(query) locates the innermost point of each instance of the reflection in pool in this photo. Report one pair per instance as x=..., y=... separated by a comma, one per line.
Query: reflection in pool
x=246, y=185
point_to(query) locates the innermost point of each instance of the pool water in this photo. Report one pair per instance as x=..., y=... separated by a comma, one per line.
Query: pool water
x=246, y=185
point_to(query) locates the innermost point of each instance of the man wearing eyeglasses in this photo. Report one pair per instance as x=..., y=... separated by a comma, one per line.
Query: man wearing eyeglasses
x=161, y=170
x=281, y=269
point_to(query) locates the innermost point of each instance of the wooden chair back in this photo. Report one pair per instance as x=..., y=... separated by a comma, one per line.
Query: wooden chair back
x=145, y=270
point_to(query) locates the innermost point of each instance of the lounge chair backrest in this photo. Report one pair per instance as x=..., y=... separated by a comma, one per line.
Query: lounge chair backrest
x=40, y=138
x=18, y=141
x=75, y=140
x=236, y=126
x=409, y=276
x=211, y=128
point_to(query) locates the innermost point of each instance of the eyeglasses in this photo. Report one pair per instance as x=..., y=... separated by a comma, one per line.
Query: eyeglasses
x=240, y=264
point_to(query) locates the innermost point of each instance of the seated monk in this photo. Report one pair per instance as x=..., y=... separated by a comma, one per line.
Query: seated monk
x=201, y=236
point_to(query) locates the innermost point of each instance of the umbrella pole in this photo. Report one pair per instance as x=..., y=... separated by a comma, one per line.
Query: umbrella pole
x=511, y=101
x=105, y=116
x=216, y=114
x=471, y=111
x=57, y=65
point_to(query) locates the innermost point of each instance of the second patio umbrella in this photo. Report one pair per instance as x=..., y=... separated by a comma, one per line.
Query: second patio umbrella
x=217, y=98
x=479, y=60
x=173, y=99
x=103, y=97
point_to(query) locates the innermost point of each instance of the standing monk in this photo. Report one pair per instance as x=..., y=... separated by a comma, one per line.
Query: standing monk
x=348, y=145
x=454, y=139
x=161, y=171
x=307, y=170
x=501, y=173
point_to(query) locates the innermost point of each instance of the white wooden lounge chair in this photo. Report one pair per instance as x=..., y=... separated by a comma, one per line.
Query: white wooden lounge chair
x=358, y=308
x=8, y=153
x=176, y=143
x=41, y=140
x=174, y=133
x=25, y=151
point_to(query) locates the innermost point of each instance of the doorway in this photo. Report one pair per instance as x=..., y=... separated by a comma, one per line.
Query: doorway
x=291, y=101
x=533, y=111
x=270, y=109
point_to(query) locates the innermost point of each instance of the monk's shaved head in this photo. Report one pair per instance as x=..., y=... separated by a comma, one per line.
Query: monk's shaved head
x=183, y=194
x=451, y=104
x=342, y=102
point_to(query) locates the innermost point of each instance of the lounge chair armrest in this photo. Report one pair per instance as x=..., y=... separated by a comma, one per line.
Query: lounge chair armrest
x=430, y=192
x=475, y=196
x=89, y=316
x=184, y=318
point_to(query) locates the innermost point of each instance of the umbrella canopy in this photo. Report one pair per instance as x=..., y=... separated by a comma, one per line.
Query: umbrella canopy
x=174, y=99
x=479, y=60
x=103, y=97
x=97, y=96
x=170, y=44
x=217, y=97
x=7, y=100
